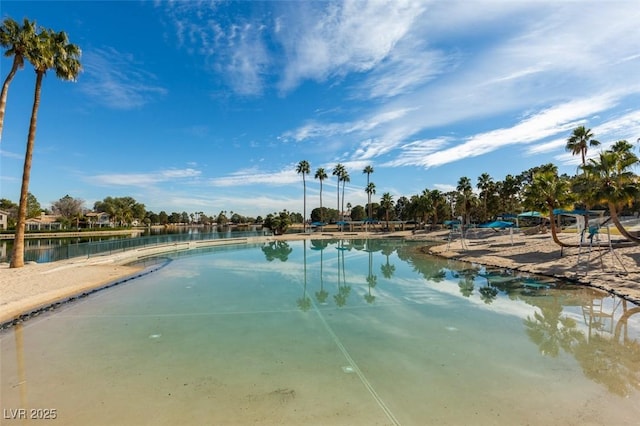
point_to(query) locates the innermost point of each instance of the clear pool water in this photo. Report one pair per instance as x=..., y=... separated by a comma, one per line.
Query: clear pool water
x=333, y=332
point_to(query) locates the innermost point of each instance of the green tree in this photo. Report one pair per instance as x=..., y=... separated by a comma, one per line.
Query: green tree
x=17, y=40
x=344, y=178
x=33, y=206
x=508, y=191
x=370, y=190
x=357, y=213
x=303, y=168
x=278, y=223
x=550, y=191
x=50, y=51
x=613, y=182
x=485, y=185
x=368, y=170
x=437, y=201
x=338, y=171
x=321, y=175
x=175, y=217
x=69, y=208
x=163, y=218
x=221, y=219
x=387, y=204
x=122, y=210
x=580, y=141
x=466, y=194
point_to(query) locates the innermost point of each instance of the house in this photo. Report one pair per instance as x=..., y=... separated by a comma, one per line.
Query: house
x=45, y=222
x=98, y=220
x=4, y=220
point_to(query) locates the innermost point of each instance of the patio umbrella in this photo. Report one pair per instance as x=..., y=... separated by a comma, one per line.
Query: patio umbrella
x=497, y=224
x=530, y=214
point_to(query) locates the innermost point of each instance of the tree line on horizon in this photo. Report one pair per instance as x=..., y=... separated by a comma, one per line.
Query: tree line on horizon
x=605, y=182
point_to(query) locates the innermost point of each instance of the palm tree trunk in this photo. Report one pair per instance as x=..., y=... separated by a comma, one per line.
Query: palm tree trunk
x=17, y=257
x=342, y=210
x=321, y=212
x=338, y=197
x=616, y=221
x=554, y=232
x=5, y=92
x=304, y=214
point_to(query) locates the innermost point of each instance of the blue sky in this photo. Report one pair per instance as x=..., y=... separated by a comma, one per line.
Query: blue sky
x=208, y=106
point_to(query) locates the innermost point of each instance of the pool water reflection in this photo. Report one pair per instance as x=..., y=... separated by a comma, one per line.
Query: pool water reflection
x=358, y=332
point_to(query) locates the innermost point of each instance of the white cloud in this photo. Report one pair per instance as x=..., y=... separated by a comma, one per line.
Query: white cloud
x=116, y=80
x=558, y=119
x=143, y=179
x=336, y=38
x=253, y=176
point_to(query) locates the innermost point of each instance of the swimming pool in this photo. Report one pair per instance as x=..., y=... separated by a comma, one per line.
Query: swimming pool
x=344, y=332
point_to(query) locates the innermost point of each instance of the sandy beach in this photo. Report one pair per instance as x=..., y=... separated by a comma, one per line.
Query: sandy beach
x=40, y=286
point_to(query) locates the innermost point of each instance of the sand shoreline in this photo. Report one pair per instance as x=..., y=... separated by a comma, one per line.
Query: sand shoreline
x=39, y=287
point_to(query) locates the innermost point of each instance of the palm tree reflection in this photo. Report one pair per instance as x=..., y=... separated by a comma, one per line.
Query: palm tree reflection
x=372, y=279
x=387, y=269
x=602, y=356
x=277, y=250
x=322, y=294
x=343, y=289
x=304, y=302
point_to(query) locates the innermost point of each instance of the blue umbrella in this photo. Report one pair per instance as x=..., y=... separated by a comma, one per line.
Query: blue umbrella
x=497, y=224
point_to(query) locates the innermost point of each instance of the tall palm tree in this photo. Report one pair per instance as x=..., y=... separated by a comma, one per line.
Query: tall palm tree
x=321, y=175
x=507, y=190
x=338, y=171
x=424, y=205
x=370, y=190
x=344, y=178
x=368, y=170
x=437, y=198
x=485, y=183
x=613, y=182
x=304, y=168
x=387, y=204
x=50, y=51
x=579, y=142
x=466, y=192
x=17, y=40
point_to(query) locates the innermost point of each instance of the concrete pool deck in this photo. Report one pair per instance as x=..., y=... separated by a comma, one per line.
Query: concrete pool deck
x=38, y=286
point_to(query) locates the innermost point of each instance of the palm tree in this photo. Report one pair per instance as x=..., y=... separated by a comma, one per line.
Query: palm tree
x=437, y=199
x=507, y=190
x=370, y=190
x=368, y=170
x=304, y=169
x=321, y=175
x=485, y=183
x=549, y=190
x=50, y=51
x=579, y=141
x=17, y=40
x=387, y=204
x=344, y=178
x=424, y=206
x=466, y=192
x=338, y=171
x=613, y=182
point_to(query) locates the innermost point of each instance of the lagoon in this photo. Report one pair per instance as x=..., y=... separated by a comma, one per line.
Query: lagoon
x=329, y=332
